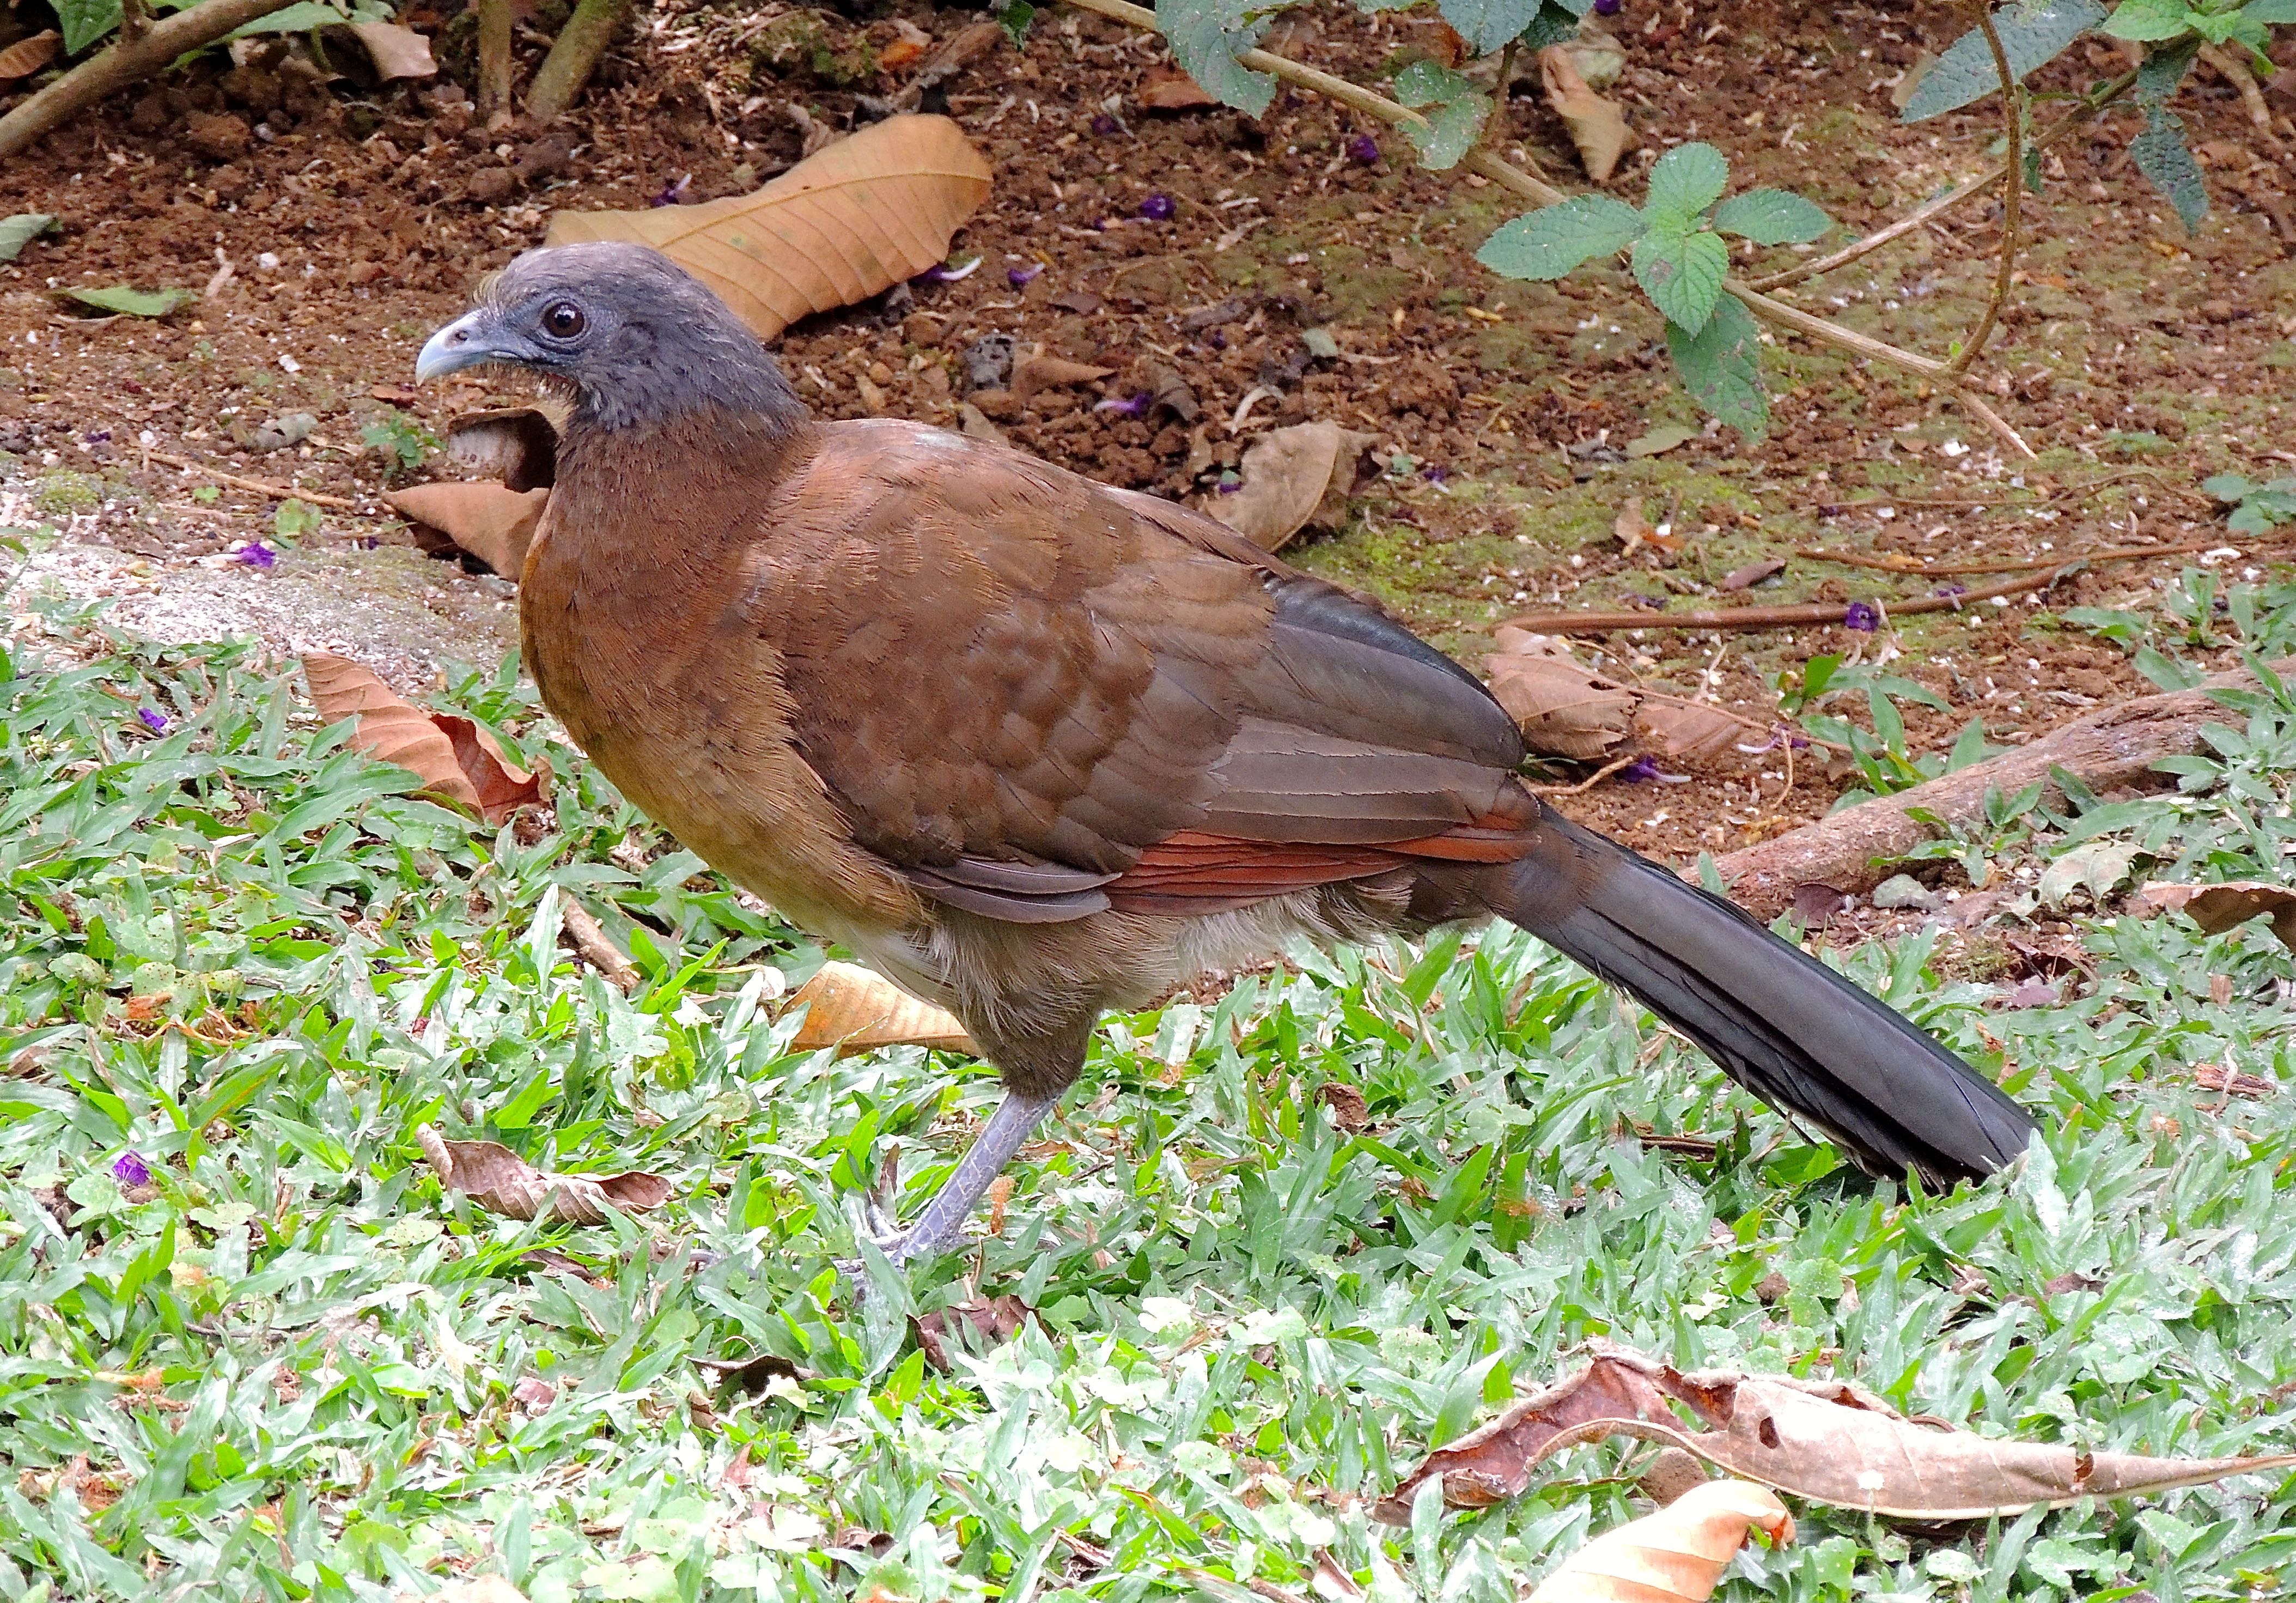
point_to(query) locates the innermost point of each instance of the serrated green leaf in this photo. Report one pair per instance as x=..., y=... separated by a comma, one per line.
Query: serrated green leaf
x=1549, y=243
x=1449, y=131
x=1688, y=179
x=1014, y=16
x=1427, y=84
x=20, y=230
x=1487, y=24
x=2162, y=70
x=1721, y=366
x=1206, y=37
x=2228, y=487
x=1772, y=217
x=307, y=16
x=2280, y=12
x=2161, y=155
x=2149, y=20
x=1555, y=24
x=1683, y=273
x=2033, y=32
x=133, y=302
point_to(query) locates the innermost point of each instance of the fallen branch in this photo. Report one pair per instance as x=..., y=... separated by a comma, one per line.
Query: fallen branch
x=574, y=55
x=1854, y=850
x=597, y=948
x=1773, y=617
x=128, y=61
x=277, y=492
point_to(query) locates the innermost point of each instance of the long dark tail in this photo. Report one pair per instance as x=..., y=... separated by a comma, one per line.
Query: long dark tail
x=1783, y=1025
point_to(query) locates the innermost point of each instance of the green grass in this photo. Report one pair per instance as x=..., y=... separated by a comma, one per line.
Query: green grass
x=290, y=1366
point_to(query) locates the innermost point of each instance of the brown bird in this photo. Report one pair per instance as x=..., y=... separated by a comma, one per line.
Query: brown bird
x=1037, y=748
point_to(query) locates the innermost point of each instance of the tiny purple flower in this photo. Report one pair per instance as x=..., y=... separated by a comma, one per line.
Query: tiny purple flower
x=1645, y=769
x=255, y=554
x=673, y=194
x=1104, y=125
x=1363, y=150
x=1861, y=617
x=1609, y=8
x=1158, y=209
x=1435, y=473
x=153, y=720
x=129, y=1169
x=99, y=438
x=1952, y=590
x=1132, y=407
x=1019, y=278
x=1229, y=484
x=1218, y=341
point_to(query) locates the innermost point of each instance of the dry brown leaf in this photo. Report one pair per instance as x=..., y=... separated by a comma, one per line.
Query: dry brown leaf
x=1597, y=127
x=1636, y=530
x=1565, y=708
x=2217, y=908
x=1753, y=574
x=972, y=421
x=1169, y=89
x=27, y=56
x=1674, y=727
x=899, y=53
x=992, y=1323
x=492, y=522
x=1041, y=371
x=1293, y=477
x=453, y=757
x=500, y=1181
x=1675, y=1556
x=1828, y=1441
x=397, y=51
x=517, y=446
x=854, y=219
x=854, y=1010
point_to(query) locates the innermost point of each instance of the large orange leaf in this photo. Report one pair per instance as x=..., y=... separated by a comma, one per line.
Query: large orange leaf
x=453, y=757
x=846, y=223
x=1674, y=1555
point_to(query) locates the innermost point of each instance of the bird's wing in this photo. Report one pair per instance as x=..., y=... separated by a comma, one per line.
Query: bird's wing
x=1036, y=696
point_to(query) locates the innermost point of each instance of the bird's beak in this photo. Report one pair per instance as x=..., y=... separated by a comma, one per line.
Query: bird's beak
x=470, y=338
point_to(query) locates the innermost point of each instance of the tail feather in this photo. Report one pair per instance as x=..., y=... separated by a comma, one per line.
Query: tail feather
x=1786, y=1027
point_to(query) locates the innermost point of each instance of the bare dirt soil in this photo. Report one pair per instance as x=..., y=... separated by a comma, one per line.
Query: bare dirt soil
x=333, y=227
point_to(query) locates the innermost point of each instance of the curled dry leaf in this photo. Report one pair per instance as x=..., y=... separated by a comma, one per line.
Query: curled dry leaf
x=990, y=1323
x=395, y=52
x=1753, y=574
x=454, y=757
x=853, y=219
x=1169, y=89
x=856, y=1010
x=1597, y=127
x=2217, y=908
x=500, y=1181
x=27, y=56
x=1291, y=478
x=1828, y=1441
x=1041, y=371
x=491, y=522
x=1675, y=1556
x=515, y=446
x=1635, y=530
x=1568, y=710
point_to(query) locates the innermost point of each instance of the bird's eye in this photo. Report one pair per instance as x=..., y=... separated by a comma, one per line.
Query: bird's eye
x=563, y=321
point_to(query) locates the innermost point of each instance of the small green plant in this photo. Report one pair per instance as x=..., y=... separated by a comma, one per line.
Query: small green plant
x=2256, y=508
x=403, y=442
x=294, y=521
x=1680, y=259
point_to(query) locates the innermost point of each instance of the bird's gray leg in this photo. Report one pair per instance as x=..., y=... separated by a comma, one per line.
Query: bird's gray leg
x=941, y=1225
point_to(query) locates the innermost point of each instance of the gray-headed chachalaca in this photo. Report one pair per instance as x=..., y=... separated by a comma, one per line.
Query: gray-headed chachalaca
x=1037, y=748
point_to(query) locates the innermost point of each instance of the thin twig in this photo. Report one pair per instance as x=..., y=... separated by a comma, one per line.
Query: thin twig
x=1771, y=617
x=2093, y=104
x=277, y=492
x=1892, y=564
x=598, y=949
x=1593, y=779
x=2234, y=72
x=2012, y=194
x=1493, y=129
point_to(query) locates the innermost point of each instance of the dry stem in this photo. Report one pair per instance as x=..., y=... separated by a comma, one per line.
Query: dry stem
x=2013, y=192
x=277, y=492
x=598, y=949
x=1776, y=617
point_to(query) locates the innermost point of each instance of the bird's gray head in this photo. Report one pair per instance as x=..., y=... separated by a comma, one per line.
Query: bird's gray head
x=623, y=331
